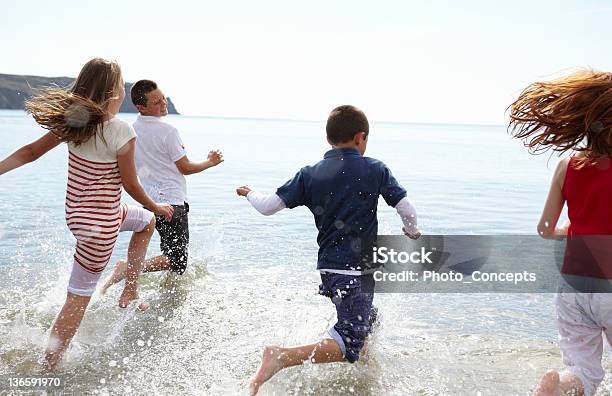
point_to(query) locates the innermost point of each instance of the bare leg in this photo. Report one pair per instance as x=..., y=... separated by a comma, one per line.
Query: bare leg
x=64, y=328
x=157, y=263
x=153, y=264
x=277, y=358
x=553, y=384
x=136, y=255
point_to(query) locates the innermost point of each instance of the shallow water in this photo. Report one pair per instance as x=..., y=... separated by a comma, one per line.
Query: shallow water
x=251, y=279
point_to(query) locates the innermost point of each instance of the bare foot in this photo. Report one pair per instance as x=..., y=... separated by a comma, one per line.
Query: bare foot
x=130, y=293
x=117, y=275
x=270, y=365
x=549, y=385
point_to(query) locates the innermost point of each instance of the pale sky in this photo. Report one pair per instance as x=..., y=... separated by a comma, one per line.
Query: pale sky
x=412, y=61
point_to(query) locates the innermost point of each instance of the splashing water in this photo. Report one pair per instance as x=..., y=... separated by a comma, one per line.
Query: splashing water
x=251, y=280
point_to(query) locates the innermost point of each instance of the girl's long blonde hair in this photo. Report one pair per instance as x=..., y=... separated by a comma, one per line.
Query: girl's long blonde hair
x=78, y=113
x=570, y=113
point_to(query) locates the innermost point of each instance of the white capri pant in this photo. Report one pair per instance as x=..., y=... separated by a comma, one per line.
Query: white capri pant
x=583, y=319
x=82, y=282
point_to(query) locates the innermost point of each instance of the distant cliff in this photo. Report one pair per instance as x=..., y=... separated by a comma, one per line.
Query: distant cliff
x=15, y=89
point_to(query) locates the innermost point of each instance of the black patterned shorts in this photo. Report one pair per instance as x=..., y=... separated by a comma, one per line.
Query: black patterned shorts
x=174, y=236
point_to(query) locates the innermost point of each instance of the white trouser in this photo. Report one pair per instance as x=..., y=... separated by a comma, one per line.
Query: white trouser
x=583, y=319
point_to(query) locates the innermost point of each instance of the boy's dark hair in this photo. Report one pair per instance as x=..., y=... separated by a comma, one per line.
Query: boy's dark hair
x=344, y=122
x=140, y=90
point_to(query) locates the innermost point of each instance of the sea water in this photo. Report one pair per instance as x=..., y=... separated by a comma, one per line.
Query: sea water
x=251, y=279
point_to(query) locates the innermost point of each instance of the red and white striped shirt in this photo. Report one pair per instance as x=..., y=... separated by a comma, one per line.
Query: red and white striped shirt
x=94, y=212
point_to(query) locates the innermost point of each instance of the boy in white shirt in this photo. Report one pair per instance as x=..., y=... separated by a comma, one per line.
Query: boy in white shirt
x=162, y=163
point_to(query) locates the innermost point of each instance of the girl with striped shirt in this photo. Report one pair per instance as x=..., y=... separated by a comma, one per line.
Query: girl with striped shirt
x=100, y=162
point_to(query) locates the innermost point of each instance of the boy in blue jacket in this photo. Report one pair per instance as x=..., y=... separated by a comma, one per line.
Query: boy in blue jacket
x=342, y=193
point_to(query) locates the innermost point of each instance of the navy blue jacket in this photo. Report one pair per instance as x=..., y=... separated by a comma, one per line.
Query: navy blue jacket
x=342, y=193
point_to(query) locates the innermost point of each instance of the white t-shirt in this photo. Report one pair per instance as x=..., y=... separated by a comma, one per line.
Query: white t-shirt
x=158, y=147
x=116, y=133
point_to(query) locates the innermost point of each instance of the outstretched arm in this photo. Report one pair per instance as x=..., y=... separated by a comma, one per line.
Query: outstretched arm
x=131, y=184
x=188, y=167
x=265, y=204
x=409, y=217
x=547, y=227
x=29, y=152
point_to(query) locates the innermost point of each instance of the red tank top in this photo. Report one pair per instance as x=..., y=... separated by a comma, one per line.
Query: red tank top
x=588, y=193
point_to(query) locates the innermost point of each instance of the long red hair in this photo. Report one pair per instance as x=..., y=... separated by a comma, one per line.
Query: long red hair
x=570, y=113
